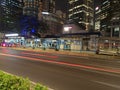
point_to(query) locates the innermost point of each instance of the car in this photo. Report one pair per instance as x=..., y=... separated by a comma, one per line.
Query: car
x=3, y=44
x=107, y=52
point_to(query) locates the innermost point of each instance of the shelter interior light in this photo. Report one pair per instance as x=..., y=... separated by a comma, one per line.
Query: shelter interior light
x=9, y=35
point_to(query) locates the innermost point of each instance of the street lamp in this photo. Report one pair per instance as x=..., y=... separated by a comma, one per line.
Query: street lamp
x=97, y=8
x=67, y=29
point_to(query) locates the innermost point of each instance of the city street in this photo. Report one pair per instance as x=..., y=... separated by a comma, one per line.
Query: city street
x=62, y=72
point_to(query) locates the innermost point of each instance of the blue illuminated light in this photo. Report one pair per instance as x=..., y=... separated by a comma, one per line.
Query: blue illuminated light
x=33, y=30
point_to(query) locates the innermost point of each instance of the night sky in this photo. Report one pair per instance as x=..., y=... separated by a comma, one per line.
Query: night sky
x=62, y=4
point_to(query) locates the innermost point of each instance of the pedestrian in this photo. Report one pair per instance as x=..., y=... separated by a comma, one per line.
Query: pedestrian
x=97, y=50
x=117, y=50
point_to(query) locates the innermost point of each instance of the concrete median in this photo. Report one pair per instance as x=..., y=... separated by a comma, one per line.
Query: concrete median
x=65, y=52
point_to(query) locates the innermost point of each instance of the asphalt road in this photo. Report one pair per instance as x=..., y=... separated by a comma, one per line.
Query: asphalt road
x=62, y=72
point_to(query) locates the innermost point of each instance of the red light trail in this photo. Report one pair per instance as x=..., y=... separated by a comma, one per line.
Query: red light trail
x=64, y=63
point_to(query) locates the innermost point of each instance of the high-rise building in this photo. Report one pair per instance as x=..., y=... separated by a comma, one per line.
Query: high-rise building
x=53, y=22
x=10, y=12
x=61, y=14
x=105, y=12
x=44, y=10
x=33, y=7
x=49, y=6
x=110, y=17
x=81, y=11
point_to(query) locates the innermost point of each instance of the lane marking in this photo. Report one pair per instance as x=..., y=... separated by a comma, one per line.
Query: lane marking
x=65, y=63
x=108, y=84
x=40, y=55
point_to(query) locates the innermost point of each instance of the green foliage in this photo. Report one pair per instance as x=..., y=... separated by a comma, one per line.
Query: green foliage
x=40, y=87
x=10, y=82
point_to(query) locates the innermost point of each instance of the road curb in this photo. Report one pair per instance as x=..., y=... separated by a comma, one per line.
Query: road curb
x=58, y=52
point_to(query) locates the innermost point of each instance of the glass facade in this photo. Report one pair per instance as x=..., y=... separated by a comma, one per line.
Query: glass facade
x=81, y=11
x=33, y=7
x=110, y=17
x=11, y=10
x=54, y=23
x=49, y=6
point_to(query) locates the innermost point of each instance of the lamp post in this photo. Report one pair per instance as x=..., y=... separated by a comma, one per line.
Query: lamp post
x=67, y=29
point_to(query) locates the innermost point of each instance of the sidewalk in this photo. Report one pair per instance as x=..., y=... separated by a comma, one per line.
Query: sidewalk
x=68, y=52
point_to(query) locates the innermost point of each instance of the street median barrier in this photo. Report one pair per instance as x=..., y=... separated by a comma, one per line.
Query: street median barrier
x=55, y=51
x=81, y=53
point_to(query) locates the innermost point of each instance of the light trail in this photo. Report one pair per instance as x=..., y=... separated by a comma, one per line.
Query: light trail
x=64, y=63
x=45, y=55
